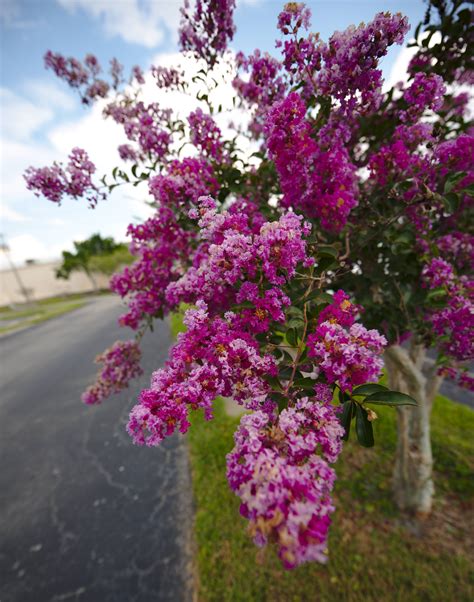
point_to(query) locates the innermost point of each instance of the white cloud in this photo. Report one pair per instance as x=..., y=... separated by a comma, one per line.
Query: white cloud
x=15, y=157
x=399, y=71
x=21, y=117
x=8, y=214
x=27, y=246
x=50, y=94
x=138, y=22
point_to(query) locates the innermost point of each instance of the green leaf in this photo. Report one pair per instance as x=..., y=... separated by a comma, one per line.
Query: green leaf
x=346, y=417
x=436, y=293
x=326, y=263
x=364, y=430
x=304, y=383
x=343, y=396
x=276, y=338
x=326, y=250
x=285, y=373
x=390, y=398
x=295, y=312
x=368, y=389
x=281, y=399
x=452, y=180
x=292, y=337
x=451, y=201
x=295, y=323
x=274, y=383
x=323, y=298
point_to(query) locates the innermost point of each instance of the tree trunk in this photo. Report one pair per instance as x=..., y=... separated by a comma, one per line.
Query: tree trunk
x=412, y=476
x=92, y=279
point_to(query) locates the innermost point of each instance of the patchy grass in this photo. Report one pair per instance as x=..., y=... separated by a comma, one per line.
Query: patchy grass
x=25, y=315
x=374, y=555
x=176, y=320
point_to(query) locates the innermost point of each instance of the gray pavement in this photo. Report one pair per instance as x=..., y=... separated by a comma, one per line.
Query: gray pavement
x=84, y=514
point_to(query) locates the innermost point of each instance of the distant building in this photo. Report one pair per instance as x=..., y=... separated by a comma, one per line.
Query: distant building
x=40, y=282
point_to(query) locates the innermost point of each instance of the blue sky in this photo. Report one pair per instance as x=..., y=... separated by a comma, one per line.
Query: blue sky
x=41, y=119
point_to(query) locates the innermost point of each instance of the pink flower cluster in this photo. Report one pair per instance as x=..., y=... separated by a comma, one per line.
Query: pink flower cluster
x=341, y=310
x=147, y=125
x=302, y=56
x=168, y=77
x=351, y=57
x=320, y=182
x=438, y=273
x=208, y=30
x=425, y=92
x=236, y=254
x=280, y=470
x=453, y=324
x=263, y=87
x=458, y=247
x=74, y=180
x=457, y=156
x=184, y=182
x=266, y=307
x=162, y=248
x=294, y=16
x=83, y=76
x=121, y=363
x=345, y=352
x=213, y=357
x=348, y=357
x=205, y=135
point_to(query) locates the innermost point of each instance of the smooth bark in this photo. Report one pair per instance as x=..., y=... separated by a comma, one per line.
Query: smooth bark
x=409, y=373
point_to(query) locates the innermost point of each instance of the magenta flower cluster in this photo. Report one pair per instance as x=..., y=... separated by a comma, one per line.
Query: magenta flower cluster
x=425, y=92
x=235, y=254
x=145, y=124
x=261, y=88
x=74, y=180
x=207, y=31
x=350, y=73
x=215, y=356
x=280, y=471
x=84, y=76
x=318, y=181
x=344, y=351
x=159, y=244
x=453, y=324
x=169, y=78
x=121, y=364
x=205, y=135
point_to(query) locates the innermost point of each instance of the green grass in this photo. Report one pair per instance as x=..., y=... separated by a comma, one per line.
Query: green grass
x=373, y=555
x=38, y=312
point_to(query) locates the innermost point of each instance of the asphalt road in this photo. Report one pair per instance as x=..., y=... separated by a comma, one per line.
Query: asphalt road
x=84, y=514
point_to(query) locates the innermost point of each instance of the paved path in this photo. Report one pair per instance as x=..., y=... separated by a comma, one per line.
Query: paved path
x=84, y=514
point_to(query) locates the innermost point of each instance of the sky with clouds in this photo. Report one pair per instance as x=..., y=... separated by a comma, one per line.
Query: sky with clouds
x=41, y=119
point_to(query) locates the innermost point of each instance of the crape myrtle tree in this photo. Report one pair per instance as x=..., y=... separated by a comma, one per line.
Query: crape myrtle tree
x=343, y=237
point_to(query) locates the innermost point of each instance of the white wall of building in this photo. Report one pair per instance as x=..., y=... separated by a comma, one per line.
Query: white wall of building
x=40, y=281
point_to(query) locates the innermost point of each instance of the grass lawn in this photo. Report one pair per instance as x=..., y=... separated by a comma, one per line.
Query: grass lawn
x=24, y=315
x=374, y=556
